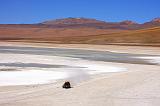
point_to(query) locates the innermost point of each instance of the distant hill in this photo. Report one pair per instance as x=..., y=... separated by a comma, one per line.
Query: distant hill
x=150, y=36
x=90, y=23
x=93, y=23
x=153, y=23
x=83, y=30
x=72, y=21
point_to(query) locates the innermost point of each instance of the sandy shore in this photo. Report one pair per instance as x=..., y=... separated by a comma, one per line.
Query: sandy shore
x=112, y=48
x=139, y=86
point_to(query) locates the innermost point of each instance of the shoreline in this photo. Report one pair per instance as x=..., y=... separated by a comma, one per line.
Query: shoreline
x=111, y=48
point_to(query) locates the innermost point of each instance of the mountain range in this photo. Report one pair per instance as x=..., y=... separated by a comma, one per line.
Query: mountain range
x=85, y=22
x=84, y=30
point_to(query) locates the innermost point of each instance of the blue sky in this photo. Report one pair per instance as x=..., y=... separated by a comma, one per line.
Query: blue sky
x=34, y=11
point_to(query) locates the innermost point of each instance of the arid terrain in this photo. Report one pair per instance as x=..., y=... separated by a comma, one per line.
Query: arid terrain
x=84, y=31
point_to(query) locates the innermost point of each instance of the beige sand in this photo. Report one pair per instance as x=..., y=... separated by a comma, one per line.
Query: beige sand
x=139, y=86
x=112, y=48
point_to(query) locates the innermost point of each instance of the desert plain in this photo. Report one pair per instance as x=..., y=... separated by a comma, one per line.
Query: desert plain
x=128, y=84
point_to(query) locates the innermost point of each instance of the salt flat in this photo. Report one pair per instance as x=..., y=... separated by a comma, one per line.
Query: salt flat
x=107, y=82
x=40, y=69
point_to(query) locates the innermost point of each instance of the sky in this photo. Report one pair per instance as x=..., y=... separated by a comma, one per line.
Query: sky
x=36, y=11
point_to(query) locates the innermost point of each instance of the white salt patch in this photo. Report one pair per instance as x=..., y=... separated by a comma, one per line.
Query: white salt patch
x=96, y=67
x=29, y=77
x=105, y=69
x=44, y=75
x=153, y=59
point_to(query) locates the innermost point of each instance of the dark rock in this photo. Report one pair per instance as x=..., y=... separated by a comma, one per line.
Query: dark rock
x=66, y=85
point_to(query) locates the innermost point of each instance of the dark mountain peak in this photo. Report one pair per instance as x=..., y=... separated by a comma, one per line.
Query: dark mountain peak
x=153, y=23
x=128, y=22
x=71, y=20
x=156, y=20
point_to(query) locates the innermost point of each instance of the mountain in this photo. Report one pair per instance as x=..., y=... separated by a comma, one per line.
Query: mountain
x=79, y=21
x=87, y=23
x=83, y=30
x=128, y=22
x=72, y=21
x=157, y=20
x=153, y=23
x=93, y=23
